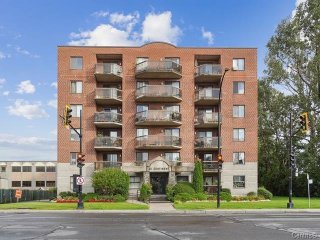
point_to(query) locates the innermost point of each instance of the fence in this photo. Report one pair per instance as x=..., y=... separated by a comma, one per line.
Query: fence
x=8, y=195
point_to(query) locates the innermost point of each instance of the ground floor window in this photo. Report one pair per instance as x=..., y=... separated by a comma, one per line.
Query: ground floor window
x=26, y=183
x=51, y=183
x=16, y=184
x=182, y=179
x=239, y=181
x=40, y=184
x=134, y=182
x=210, y=181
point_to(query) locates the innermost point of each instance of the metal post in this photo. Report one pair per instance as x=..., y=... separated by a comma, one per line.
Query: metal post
x=308, y=189
x=219, y=136
x=290, y=203
x=80, y=202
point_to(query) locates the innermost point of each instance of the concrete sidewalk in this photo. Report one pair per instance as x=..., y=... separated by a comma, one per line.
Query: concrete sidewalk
x=161, y=207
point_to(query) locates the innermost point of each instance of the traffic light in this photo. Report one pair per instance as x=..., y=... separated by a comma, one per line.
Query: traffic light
x=304, y=122
x=80, y=160
x=292, y=160
x=67, y=115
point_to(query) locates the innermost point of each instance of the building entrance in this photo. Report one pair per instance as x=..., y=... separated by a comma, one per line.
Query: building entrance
x=159, y=182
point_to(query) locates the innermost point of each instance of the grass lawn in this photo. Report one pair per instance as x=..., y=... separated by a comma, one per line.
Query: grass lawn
x=276, y=202
x=72, y=206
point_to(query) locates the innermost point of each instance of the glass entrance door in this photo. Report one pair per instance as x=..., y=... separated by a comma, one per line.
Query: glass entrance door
x=159, y=182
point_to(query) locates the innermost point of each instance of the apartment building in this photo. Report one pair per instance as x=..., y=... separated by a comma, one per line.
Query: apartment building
x=153, y=110
x=28, y=175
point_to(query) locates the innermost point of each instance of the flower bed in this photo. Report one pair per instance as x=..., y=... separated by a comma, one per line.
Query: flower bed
x=100, y=200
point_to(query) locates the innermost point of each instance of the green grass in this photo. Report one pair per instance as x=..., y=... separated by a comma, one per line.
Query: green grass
x=73, y=206
x=275, y=203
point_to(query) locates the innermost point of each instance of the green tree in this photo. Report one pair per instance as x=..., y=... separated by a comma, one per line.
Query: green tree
x=197, y=181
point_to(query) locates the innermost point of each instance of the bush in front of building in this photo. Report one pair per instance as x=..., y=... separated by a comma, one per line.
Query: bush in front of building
x=170, y=192
x=183, y=187
x=226, y=190
x=264, y=193
x=200, y=196
x=63, y=195
x=145, y=192
x=225, y=196
x=183, y=197
x=250, y=194
x=197, y=181
x=111, y=182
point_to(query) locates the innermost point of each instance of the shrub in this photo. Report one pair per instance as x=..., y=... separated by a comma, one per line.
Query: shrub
x=170, y=192
x=253, y=198
x=200, y=196
x=250, y=194
x=119, y=198
x=111, y=181
x=145, y=192
x=90, y=196
x=183, y=187
x=225, y=196
x=183, y=197
x=264, y=193
x=197, y=181
x=212, y=197
x=68, y=194
x=227, y=190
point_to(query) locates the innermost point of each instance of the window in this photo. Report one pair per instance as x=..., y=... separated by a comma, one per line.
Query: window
x=238, y=134
x=73, y=158
x=76, y=110
x=238, y=64
x=173, y=108
x=182, y=179
x=141, y=84
x=76, y=86
x=76, y=63
x=238, y=87
x=27, y=169
x=208, y=157
x=73, y=135
x=172, y=132
x=238, y=111
x=141, y=59
x=16, y=169
x=26, y=183
x=110, y=157
x=239, y=181
x=3, y=168
x=40, y=183
x=172, y=156
x=238, y=158
x=40, y=169
x=173, y=83
x=142, y=132
x=51, y=183
x=134, y=182
x=142, y=108
x=173, y=59
x=142, y=156
x=211, y=181
x=51, y=169
x=142, y=63
x=16, y=184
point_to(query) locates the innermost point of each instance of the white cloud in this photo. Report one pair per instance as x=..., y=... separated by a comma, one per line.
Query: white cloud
x=6, y=93
x=125, y=21
x=158, y=27
x=54, y=84
x=298, y=2
x=100, y=14
x=207, y=35
x=53, y=103
x=4, y=55
x=23, y=108
x=2, y=81
x=25, y=52
x=26, y=87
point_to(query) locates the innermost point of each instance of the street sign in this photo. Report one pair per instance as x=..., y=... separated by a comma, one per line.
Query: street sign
x=18, y=193
x=80, y=180
x=310, y=181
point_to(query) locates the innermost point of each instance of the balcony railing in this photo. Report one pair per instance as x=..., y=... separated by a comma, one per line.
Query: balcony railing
x=107, y=164
x=207, y=119
x=107, y=118
x=108, y=143
x=208, y=72
x=158, y=69
x=108, y=95
x=158, y=116
x=158, y=93
x=210, y=165
x=108, y=72
x=207, y=96
x=206, y=143
x=158, y=142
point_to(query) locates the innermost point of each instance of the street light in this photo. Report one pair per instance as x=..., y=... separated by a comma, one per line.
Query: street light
x=220, y=161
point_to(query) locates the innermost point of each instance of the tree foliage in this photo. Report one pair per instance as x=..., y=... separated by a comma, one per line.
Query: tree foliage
x=198, y=177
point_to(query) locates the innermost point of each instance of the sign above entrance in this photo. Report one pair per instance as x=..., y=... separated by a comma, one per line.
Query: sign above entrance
x=159, y=166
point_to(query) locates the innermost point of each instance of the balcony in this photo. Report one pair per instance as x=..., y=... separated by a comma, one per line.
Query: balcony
x=206, y=143
x=108, y=143
x=160, y=69
x=206, y=120
x=106, y=164
x=108, y=72
x=208, y=73
x=207, y=96
x=107, y=120
x=210, y=166
x=158, y=93
x=158, y=118
x=158, y=142
x=106, y=96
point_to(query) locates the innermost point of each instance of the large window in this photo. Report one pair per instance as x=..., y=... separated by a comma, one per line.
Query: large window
x=76, y=86
x=172, y=132
x=172, y=156
x=238, y=111
x=238, y=87
x=26, y=183
x=16, y=184
x=135, y=182
x=208, y=157
x=3, y=168
x=73, y=158
x=16, y=168
x=40, y=169
x=238, y=134
x=238, y=158
x=51, y=183
x=76, y=110
x=27, y=169
x=73, y=135
x=210, y=180
x=76, y=63
x=110, y=157
x=40, y=183
x=142, y=156
x=51, y=169
x=238, y=64
x=239, y=181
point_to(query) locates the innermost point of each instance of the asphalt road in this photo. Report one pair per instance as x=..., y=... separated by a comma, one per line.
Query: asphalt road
x=142, y=226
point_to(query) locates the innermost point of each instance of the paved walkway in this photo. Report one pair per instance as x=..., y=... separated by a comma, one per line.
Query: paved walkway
x=161, y=207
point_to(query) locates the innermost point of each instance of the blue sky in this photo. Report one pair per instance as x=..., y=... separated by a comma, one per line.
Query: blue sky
x=30, y=32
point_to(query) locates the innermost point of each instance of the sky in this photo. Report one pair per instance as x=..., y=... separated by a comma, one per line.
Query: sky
x=30, y=32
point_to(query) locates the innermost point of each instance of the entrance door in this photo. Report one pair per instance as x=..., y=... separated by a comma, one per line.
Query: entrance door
x=159, y=182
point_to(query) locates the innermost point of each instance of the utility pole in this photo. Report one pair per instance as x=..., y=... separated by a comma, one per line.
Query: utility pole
x=291, y=159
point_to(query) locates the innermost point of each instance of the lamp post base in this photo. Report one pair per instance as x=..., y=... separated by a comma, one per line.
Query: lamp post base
x=290, y=205
x=80, y=205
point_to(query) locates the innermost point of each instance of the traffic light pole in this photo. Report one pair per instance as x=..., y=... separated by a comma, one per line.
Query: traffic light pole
x=80, y=201
x=290, y=203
